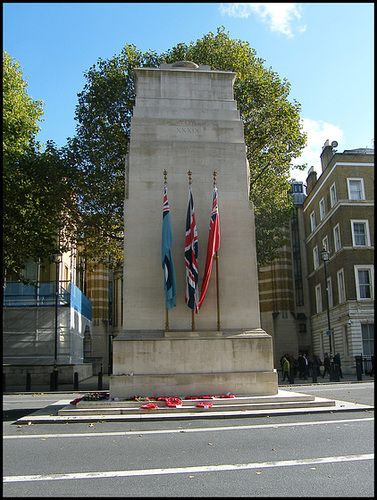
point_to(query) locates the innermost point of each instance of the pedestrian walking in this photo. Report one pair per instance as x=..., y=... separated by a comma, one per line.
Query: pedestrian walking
x=337, y=362
x=317, y=365
x=285, y=368
x=301, y=366
x=306, y=368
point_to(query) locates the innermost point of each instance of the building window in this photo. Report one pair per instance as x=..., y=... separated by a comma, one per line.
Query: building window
x=318, y=298
x=321, y=209
x=302, y=327
x=333, y=199
x=325, y=243
x=297, y=188
x=312, y=221
x=341, y=286
x=315, y=257
x=356, y=189
x=299, y=294
x=360, y=233
x=337, y=243
x=367, y=332
x=364, y=282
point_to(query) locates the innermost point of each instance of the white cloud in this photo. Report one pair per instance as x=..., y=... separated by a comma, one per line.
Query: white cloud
x=317, y=132
x=280, y=17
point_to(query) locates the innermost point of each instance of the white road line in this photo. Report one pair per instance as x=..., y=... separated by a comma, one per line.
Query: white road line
x=185, y=470
x=304, y=390
x=188, y=430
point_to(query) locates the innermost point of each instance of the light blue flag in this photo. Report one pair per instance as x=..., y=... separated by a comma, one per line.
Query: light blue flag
x=166, y=256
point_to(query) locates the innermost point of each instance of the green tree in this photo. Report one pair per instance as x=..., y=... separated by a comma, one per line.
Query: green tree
x=20, y=112
x=272, y=129
x=99, y=148
x=273, y=136
x=37, y=197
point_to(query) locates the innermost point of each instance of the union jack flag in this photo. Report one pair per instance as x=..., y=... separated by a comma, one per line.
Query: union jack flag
x=213, y=245
x=191, y=257
x=166, y=255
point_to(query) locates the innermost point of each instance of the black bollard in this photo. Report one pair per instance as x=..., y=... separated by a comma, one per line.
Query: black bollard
x=54, y=380
x=359, y=367
x=314, y=375
x=28, y=382
x=4, y=380
x=99, y=380
x=336, y=373
x=76, y=381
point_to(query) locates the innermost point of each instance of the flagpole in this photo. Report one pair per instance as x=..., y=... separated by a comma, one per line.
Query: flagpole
x=166, y=309
x=189, y=173
x=217, y=292
x=217, y=272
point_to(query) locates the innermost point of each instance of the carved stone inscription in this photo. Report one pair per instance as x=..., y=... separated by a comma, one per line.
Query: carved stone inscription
x=187, y=127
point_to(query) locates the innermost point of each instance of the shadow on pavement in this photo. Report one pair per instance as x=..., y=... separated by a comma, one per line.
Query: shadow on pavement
x=11, y=415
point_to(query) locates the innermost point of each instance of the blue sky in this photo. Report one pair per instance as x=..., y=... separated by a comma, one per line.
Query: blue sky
x=325, y=51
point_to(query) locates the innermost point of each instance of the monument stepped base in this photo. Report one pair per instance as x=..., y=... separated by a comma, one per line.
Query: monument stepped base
x=285, y=402
x=237, y=406
x=189, y=363
x=192, y=383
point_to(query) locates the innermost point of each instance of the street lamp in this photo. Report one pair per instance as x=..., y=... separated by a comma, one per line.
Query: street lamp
x=325, y=256
x=55, y=372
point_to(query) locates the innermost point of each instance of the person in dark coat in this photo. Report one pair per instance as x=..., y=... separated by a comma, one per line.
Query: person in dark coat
x=337, y=362
x=301, y=366
x=317, y=365
x=306, y=369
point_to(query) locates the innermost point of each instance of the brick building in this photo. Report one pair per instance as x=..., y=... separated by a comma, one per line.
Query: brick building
x=336, y=213
x=339, y=216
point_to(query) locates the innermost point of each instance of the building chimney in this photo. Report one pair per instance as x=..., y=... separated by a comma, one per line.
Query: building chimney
x=327, y=153
x=311, y=179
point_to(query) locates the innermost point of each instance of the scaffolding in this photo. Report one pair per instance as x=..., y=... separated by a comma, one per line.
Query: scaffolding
x=31, y=316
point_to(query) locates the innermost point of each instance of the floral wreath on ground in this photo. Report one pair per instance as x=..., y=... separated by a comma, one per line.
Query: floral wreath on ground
x=170, y=402
x=93, y=396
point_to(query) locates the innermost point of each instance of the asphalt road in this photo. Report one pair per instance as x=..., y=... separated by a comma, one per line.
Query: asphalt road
x=318, y=455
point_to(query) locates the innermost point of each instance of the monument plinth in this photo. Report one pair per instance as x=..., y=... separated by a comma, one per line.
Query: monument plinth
x=186, y=119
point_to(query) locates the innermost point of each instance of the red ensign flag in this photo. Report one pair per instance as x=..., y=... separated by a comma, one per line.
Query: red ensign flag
x=213, y=245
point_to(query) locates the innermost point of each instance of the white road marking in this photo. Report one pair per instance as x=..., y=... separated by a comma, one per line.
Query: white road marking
x=185, y=470
x=188, y=430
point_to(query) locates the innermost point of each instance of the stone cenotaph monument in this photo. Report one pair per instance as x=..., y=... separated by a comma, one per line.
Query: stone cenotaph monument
x=185, y=119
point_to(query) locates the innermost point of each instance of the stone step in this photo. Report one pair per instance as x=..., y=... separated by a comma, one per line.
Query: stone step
x=240, y=400
x=246, y=404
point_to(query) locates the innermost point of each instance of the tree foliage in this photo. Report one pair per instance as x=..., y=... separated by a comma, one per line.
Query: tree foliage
x=99, y=148
x=273, y=136
x=272, y=130
x=20, y=112
x=36, y=193
x=81, y=186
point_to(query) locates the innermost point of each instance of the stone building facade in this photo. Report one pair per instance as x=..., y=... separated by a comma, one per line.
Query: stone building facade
x=339, y=216
x=337, y=212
